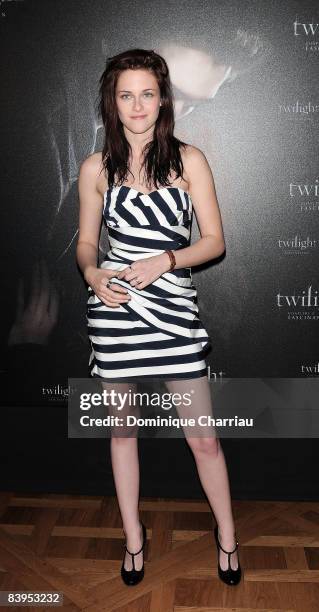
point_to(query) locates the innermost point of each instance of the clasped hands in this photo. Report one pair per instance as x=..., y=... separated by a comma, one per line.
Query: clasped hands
x=139, y=274
x=145, y=271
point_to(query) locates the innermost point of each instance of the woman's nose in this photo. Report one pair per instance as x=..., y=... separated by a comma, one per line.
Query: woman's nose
x=137, y=104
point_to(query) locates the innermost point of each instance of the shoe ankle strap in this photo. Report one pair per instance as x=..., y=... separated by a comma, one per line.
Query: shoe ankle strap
x=227, y=551
x=136, y=553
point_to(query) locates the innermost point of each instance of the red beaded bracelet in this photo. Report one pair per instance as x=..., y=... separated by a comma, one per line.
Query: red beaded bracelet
x=172, y=258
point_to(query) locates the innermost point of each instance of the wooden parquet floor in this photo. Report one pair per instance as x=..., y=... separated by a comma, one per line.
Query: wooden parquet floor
x=74, y=544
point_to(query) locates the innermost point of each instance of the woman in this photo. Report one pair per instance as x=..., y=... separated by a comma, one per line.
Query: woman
x=142, y=316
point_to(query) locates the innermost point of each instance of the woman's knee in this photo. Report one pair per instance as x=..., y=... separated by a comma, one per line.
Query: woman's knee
x=205, y=446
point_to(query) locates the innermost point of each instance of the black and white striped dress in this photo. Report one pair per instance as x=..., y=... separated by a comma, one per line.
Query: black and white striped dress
x=157, y=334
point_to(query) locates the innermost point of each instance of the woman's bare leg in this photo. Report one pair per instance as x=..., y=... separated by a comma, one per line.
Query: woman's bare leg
x=125, y=467
x=210, y=461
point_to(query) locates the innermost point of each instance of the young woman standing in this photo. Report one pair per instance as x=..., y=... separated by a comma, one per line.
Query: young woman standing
x=141, y=311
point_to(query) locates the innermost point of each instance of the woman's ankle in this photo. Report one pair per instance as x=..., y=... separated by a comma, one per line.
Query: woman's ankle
x=133, y=529
x=226, y=534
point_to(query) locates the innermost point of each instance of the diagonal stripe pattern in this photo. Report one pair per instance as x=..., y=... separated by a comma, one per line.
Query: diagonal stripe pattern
x=158, y=333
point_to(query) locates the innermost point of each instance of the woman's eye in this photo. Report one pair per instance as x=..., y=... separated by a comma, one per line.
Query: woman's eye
x=128, y=95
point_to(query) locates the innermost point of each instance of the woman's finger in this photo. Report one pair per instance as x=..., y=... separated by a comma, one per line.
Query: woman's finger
x=108, y=294
x=116, y=298
x=123, y=272
x=112, y=303
x=116, y=287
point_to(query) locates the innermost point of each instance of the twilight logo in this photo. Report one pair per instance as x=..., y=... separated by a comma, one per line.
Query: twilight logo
x=298, y=109
x=304, y=28
x=307, y=33
x=305, y=189
x=297, y=243
x=308, y=299
x=305, y=196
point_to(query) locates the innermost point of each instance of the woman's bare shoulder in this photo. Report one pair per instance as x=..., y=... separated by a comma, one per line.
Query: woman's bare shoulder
x=93, y=162
x=190, y=153
x=92, y=167
x=193, y=158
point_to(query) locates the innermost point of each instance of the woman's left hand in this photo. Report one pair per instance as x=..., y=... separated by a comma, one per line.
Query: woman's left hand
x=145, y=271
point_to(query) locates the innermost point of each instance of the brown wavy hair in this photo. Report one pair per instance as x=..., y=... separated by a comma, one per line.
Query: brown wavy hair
x=162, y=154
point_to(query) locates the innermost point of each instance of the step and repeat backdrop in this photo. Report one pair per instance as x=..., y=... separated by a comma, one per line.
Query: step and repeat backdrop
x=244, y=77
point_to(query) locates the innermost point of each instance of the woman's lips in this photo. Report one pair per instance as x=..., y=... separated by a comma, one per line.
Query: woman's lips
x=139, y=117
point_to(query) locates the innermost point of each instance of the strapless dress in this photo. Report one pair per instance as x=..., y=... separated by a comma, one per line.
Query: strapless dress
x=158, y=333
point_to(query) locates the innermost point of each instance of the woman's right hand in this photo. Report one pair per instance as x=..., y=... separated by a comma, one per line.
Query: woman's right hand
x=112, y=296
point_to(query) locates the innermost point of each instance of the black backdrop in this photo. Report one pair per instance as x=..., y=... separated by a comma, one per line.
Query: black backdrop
x=259, y=131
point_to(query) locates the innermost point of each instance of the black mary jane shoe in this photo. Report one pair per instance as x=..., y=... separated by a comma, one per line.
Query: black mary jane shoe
x=229, y=576
x=134, y=576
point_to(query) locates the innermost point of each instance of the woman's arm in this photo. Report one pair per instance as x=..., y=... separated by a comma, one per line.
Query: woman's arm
x=91, y=208
x=205, y=204
x=90, y=217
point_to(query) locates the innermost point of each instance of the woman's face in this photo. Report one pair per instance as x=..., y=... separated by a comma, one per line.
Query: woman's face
x=137, y=98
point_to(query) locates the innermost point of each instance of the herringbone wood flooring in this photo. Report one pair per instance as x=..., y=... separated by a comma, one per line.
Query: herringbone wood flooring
x=74, y=544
